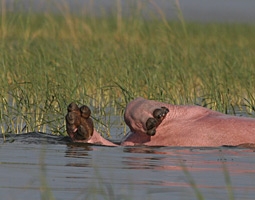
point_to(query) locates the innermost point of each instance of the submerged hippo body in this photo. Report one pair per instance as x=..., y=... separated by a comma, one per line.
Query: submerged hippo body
x=155, y=123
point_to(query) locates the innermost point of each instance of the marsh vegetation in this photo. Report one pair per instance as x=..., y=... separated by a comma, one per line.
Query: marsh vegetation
x=50, y=60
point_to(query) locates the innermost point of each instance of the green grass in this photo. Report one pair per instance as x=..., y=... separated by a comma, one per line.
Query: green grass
x=49, y=60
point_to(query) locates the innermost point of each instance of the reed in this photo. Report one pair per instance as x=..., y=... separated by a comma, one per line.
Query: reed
x=49, y=60
x=45, y=190
x=192, y=183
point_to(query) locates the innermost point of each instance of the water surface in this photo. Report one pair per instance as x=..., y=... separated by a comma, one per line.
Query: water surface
x=31, y=167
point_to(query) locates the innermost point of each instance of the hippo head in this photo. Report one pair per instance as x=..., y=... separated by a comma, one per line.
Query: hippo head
x=144, y=116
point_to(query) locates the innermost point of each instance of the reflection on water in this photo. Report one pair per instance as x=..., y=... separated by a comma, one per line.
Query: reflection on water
x=80, y=171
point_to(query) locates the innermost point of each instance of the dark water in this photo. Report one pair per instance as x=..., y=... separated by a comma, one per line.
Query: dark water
x=49, y=167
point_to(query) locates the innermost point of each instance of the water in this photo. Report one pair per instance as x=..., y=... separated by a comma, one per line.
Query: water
x=232, y=11
x=31, y=167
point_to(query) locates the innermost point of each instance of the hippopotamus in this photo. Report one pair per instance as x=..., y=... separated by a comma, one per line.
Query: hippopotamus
x=154, y=123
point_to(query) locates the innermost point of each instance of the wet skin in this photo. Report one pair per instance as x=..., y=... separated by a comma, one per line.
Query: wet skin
x=155, y=123
x=185, y=126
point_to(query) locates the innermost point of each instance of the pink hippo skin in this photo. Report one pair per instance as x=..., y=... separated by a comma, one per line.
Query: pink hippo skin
x=186, y=126
x=155, y=123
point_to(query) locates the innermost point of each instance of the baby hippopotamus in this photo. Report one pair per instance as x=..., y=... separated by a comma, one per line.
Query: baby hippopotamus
x=155, y=123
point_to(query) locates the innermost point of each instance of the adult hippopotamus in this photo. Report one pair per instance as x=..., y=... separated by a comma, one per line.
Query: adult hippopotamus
x=154, y=123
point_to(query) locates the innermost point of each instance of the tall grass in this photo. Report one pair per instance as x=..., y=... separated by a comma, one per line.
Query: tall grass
x=49, y=60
